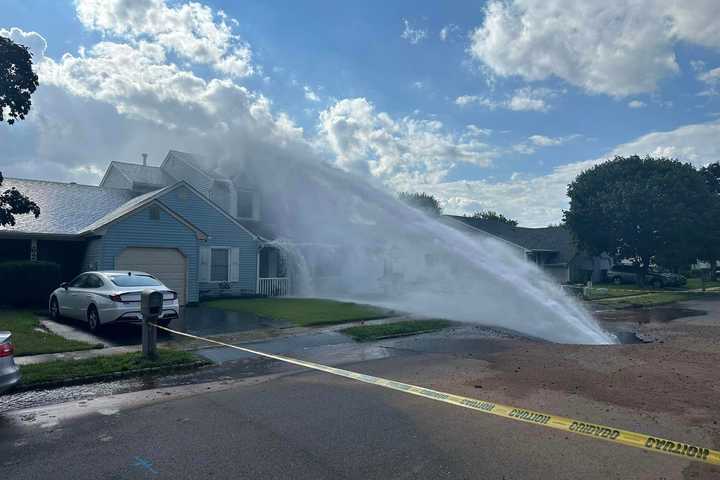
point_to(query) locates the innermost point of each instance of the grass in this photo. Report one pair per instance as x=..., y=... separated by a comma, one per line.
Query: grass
x=694, y=283
x=302, y=312
x=93, y=367
x=367, y=333
x=647, y=300
x=31, y=339
x=602, y=292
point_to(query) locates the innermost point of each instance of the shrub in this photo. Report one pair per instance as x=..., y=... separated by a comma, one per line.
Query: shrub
x=26, y=283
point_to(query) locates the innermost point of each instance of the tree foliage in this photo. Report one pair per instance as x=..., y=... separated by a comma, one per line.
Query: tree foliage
x=641, y=208
x=422, y=201
x=710, y=248
x=17, y=80
x=12, y=203
x=495, y=217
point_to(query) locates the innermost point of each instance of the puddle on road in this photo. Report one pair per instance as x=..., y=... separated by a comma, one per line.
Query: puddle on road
x=648, y=315
x=629, y=338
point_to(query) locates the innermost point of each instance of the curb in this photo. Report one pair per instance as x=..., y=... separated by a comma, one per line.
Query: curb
x=108, y=376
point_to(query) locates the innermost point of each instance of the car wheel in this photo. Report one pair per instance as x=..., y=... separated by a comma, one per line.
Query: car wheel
x=93, y=319
x=617, y=280
x=657, y=284
x=54, y=309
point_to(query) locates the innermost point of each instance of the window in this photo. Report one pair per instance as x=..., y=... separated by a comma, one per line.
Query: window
x=219, y=265
x=78, y=281
x=93, y=281
x=244, y=204
x=134, y=281
x=154, y=212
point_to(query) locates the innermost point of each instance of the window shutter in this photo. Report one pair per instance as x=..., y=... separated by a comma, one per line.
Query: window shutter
x=204, y=267
x=234, y=264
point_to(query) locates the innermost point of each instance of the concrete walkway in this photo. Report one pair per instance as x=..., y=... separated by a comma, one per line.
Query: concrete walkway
x=81, y=355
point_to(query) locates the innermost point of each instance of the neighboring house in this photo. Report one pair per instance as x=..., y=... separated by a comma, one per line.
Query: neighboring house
x=552, y=248
x=192, y=228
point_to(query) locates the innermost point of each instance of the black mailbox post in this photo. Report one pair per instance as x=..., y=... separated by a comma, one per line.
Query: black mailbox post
x=151, y=303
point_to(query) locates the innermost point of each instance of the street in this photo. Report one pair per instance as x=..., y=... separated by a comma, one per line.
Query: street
x=287, y=422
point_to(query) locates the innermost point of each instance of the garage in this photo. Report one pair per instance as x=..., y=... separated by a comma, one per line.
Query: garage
x=169, y=265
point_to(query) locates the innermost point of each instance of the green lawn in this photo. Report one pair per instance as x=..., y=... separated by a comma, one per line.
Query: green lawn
x=648, y=300
x=694, y=283
x=31, y=339
x=366, y=333
x=602, y=292
x=92, y=367
x=302, y=311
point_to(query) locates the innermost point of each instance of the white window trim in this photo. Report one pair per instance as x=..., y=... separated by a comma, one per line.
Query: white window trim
x=227, y=249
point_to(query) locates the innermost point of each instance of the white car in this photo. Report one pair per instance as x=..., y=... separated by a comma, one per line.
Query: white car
x=100, y=298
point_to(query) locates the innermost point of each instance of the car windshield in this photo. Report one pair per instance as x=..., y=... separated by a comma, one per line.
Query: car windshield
x=134, y=281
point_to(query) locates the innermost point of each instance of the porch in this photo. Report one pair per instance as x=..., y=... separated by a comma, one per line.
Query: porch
x=273, y=279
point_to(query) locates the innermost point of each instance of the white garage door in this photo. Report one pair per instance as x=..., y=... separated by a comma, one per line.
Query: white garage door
x=166, y=264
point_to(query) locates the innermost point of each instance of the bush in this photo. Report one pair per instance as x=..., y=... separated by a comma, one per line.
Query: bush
x=26, y=283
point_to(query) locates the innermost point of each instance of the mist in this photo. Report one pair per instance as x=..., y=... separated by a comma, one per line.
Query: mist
x=348, y=239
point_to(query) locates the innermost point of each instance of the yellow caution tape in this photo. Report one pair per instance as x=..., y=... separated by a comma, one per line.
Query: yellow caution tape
x=682, y=450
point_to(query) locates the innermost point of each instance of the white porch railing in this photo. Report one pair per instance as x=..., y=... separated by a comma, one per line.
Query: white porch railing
x=274, y=287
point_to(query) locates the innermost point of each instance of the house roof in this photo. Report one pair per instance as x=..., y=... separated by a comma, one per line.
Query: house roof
x=550, y=239
x=144, y=174
x=65, y=208
x=124, y=209
x=198, y=162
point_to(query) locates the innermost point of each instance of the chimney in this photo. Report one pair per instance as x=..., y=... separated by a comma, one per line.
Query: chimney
x=144, y=156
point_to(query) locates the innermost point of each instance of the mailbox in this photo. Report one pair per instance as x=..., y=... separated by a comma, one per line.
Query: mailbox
x=151, y=303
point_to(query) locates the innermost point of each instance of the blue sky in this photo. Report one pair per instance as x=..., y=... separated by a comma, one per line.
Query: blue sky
x=498, y=113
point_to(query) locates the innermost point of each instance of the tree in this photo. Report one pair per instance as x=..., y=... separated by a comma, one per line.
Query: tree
x=710, y=251
x=495, y=216
x=422, y=201
x=17, y=80
x=640, y=208
x=17, y=83
x=14, y=203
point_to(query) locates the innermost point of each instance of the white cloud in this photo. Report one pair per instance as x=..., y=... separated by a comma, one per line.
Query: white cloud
x=543, y=141
x=397, y=151
x=413, y=35
x=33, y=40
x=191, y=30
x=636, y=104
x=521, y=100
x=615, y=47
x=539, y=201
x=447, y=31
x=711, y=79
x=310, y=94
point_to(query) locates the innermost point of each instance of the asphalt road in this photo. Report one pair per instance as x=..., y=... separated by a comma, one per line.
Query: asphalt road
x=309, y=425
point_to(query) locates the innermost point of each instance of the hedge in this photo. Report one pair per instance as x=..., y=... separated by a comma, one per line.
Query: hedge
x=26, y=283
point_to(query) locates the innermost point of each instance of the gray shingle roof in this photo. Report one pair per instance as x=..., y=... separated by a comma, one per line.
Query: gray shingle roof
x=200, y=162
x=144, y=174
x=65, y=208
x=123, y=209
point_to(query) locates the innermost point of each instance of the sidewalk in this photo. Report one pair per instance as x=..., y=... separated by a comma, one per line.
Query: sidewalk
x=81, y=355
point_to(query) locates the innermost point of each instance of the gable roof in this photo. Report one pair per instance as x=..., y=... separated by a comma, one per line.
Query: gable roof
x=551, y=239
x=65, y=208
x=197, y=162
x=143, y=174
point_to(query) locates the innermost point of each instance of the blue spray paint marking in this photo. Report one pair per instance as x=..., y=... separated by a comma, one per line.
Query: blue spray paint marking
x=144, y=463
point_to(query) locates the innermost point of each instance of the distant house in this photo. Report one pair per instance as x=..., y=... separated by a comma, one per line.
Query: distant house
x=194, y=229
x=551, y=248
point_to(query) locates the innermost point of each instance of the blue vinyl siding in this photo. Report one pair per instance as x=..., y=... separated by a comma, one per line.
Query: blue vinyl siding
x=180, y=170
x=222, y=232
x=93, y=254
x=139, y=230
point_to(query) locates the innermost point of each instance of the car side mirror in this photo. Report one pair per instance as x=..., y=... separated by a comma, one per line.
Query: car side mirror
x=64, y=285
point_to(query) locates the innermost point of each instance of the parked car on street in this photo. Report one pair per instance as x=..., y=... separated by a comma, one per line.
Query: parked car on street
x=99, y=298
x=9, y=372
x=622, y=273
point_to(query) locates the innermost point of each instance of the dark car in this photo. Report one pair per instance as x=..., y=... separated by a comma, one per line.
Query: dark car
x=622, y=273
